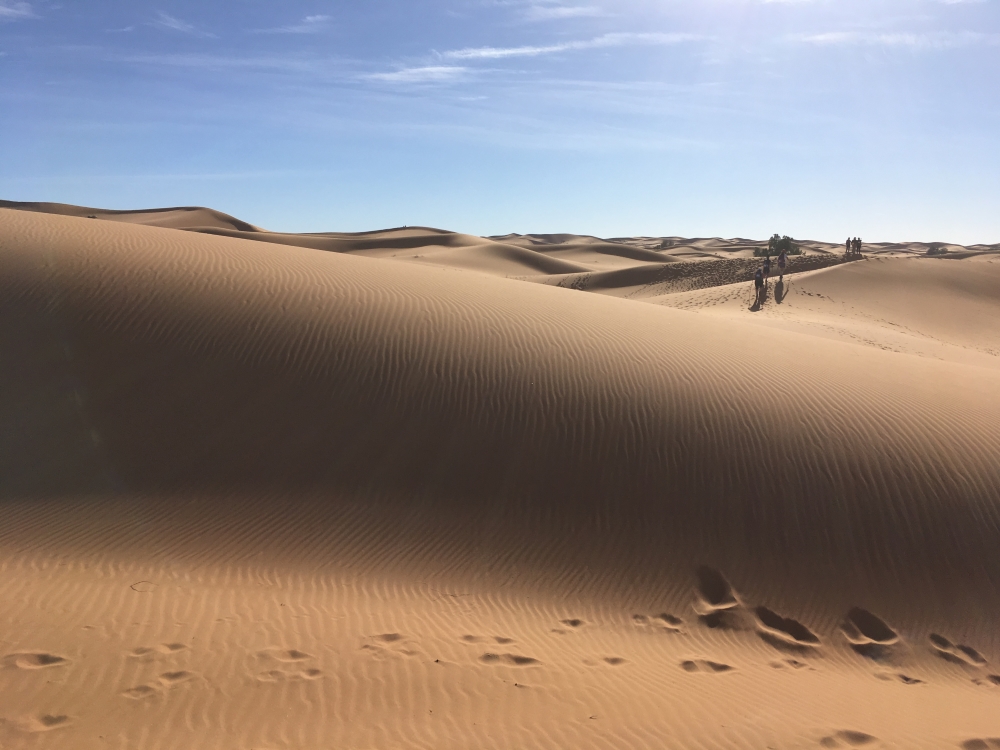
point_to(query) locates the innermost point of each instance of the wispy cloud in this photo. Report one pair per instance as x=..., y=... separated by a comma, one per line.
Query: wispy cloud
x=284, y=64
x=15, y=11
x=167, y=21
x=556, y=12
x=931, y=40
x=308, y=25
x=604, y=41
x=426, y=74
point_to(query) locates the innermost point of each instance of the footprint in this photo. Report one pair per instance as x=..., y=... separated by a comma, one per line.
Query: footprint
x=149, y=653
x=37, y=660
x=174, y=678
x=573, y=623
x=793, y=663
x=704, y=665
x=43, y=723
x=614, y=661
x=280, y=675
x=956, y=654
x=509, y=659
x=717, y=605
x=394, y=644
x=669, y=622
x=981, y=744
x=502, y=641
x=849, y=738
x=284, y=655
x=471, y=638
x=272, y=675
x=165, y=681
x=140, y=691
x=868, y=634
x=784, y=632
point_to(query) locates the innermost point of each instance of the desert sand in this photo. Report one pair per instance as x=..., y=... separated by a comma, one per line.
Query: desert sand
x=419, y=489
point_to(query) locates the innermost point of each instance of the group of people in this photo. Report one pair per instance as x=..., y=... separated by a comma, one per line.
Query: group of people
x=763, y=273
x=853, y=247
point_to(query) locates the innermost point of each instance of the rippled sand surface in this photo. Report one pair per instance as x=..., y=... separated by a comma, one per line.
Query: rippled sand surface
x=412, y=489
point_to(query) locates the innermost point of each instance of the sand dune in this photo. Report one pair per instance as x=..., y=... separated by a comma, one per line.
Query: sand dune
x=260, y=495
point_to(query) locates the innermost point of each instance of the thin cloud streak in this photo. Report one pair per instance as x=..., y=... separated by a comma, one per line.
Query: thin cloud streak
x=167, y=21
x=425, y=74
x=605, y=41
x=933, y=40
x=15, y=11
x=558, y=12
x=217, y=62
x=308, y=25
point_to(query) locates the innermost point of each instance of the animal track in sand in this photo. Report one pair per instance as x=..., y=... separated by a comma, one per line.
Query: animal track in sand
x=705, y=665
x=784, y=632
x=868, y=634
x=514, y=660
x=848, y=738
x=36, y=660
x=956, y=653
x=718, y=606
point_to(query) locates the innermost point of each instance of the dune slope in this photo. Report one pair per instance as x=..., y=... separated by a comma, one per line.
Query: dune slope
x=291, y=498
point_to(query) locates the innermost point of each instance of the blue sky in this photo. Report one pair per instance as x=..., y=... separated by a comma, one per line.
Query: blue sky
x=815, y=118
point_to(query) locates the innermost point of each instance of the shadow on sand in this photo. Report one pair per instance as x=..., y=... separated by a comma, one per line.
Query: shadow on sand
x=780, y=292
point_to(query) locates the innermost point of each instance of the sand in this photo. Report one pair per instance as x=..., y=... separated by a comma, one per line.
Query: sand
x=413, y=489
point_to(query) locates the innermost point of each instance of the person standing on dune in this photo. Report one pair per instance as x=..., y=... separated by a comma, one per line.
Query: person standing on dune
x=758, y=282
x=847, y=246
x=782, y=262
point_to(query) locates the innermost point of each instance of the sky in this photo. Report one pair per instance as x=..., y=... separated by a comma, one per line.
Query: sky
x=737, y=118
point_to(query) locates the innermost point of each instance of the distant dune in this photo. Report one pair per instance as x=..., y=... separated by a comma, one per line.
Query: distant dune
x=410, y=488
